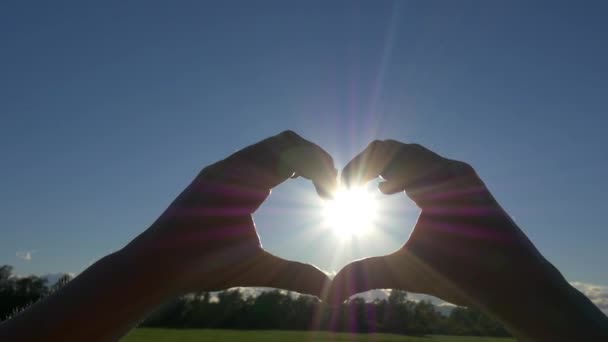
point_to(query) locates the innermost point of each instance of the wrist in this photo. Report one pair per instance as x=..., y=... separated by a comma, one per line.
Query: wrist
x=150, y=276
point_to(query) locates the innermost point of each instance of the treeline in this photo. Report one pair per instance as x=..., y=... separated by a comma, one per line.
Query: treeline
x=17, y=293
x=284, y=311
x=278, y=310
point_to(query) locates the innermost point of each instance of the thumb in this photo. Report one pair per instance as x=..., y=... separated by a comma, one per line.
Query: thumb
x=271, y=271
x=392, y=271
x=390, y=187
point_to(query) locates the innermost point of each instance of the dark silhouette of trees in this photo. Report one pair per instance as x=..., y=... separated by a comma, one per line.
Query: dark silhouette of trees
x=281, y=310
x=274, y=309
x=17, y=293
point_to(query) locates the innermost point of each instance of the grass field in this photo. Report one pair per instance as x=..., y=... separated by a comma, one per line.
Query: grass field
x=168, y=335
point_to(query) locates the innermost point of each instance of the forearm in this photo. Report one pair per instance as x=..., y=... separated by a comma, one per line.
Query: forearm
x=101, y=304
x=551, y=310
x=536, y=302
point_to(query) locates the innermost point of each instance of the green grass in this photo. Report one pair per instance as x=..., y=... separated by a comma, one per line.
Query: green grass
x=170, y=335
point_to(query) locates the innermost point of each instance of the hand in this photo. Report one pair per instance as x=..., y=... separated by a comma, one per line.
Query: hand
x=464, y=248
x=206, y=240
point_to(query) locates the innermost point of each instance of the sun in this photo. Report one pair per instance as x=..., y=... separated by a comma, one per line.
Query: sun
x=352, y=212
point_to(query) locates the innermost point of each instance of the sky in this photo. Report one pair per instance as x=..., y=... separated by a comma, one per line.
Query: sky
x=109, y=109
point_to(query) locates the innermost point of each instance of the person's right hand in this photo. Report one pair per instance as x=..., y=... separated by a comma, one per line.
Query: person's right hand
x=464, y=248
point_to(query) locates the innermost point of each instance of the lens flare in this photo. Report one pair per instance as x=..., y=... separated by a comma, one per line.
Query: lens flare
x=352, y=212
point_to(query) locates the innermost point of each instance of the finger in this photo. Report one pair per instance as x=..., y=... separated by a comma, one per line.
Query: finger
x=268, y=270
x=385, y=272
x=369, y=164
x=404, y=167
x=412, y=166
x=273, y=160
x=390, y=187
x=310, y=161
x=390, y=159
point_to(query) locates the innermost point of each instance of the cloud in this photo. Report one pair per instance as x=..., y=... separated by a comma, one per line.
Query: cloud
x=25, y=255
x=598, y=294
x=252, y=292
x=372, y=295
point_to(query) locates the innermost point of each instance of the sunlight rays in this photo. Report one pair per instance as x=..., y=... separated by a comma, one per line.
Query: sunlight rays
x=352, y=211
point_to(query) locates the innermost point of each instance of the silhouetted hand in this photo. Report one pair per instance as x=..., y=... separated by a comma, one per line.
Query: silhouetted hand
x=206, y=239
x=464, y=248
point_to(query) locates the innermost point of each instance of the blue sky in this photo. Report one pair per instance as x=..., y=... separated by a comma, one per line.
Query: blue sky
x=108, y=110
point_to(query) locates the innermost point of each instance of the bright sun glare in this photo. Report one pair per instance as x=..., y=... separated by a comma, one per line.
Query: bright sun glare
x=351, y=212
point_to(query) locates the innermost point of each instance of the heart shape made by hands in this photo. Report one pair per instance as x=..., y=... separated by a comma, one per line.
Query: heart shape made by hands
x=403, y=167
x=461, y=244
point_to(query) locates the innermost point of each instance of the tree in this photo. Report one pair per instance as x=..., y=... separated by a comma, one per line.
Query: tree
x=397, y=313
x=18, y=293
x=397, y=297
x=61, y=282
x=5, y=274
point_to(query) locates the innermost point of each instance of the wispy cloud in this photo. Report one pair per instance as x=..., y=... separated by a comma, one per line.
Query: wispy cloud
x=25, y=255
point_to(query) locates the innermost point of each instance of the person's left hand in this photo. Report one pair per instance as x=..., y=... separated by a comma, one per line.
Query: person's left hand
x=206, y=240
